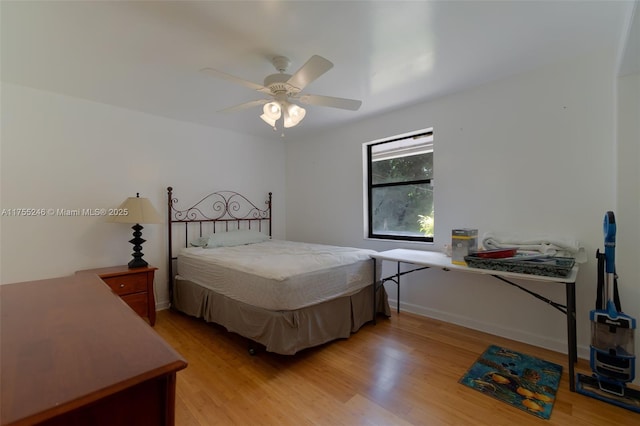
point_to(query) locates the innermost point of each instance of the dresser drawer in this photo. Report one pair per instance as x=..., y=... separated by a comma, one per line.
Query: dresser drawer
x=127, y=284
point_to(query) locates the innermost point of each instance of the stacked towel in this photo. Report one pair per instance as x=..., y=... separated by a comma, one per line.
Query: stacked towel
x=544, y=244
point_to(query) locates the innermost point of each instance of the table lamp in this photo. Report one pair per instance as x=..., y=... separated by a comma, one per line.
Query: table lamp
x=137, y=210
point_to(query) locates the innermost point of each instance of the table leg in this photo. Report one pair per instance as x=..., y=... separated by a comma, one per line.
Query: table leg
x=571, y=332
x=398, y=282
x=375, y=288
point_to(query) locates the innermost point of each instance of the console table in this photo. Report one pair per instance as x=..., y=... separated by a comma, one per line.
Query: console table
x=73, y=353
x=427, y=259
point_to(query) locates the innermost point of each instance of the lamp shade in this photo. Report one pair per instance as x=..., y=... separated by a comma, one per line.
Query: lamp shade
x=136, y=210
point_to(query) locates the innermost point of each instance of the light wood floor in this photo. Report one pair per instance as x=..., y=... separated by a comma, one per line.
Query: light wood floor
x=402, y=371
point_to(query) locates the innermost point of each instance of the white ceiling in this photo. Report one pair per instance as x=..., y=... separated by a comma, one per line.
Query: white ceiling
x=146, y=55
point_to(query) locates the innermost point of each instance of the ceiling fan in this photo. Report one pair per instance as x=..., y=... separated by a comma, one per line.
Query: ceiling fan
x=283, y=88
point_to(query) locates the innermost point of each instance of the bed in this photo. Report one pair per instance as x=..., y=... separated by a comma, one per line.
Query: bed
x=225, y=267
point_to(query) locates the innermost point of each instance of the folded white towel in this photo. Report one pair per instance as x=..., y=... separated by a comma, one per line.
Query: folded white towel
x=545, y=244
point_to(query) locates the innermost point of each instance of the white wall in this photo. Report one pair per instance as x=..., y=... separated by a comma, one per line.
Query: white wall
x=628, y=199
x=531, y=153
x=68, y=153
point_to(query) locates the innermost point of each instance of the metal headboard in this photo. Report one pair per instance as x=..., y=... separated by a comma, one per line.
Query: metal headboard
x=220, y=211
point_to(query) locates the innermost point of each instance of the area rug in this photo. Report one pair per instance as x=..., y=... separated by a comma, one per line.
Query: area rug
x=520, y=380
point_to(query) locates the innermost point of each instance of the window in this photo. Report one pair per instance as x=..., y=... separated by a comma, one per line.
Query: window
x=400, y=187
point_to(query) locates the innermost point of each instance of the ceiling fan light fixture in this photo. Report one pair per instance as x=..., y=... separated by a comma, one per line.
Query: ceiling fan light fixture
x=272, y=109
x=293, y=115
x=272, y=113
x=270, y=121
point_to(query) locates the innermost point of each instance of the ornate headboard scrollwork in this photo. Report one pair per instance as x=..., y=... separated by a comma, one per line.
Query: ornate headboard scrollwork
x=219, y=211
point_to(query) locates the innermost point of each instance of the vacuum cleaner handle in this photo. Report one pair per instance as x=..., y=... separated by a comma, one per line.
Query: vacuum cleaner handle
x=611, y=282
x=601, y=295
x=610, y=242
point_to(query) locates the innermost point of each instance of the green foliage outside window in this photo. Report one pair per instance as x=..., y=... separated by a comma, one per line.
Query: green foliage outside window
x=426, y=225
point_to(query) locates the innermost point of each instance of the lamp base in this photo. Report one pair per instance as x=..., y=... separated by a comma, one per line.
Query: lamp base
x=137, y=261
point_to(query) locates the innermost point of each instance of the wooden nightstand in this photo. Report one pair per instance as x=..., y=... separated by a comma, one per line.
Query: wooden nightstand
x=134, y=286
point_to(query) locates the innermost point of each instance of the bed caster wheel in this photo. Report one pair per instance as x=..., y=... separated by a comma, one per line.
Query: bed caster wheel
x=252, y=351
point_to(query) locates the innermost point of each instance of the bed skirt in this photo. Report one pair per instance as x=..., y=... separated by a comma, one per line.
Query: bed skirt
x=283, y=332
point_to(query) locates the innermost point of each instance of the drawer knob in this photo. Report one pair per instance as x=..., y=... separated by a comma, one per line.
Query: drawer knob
x=121, y=285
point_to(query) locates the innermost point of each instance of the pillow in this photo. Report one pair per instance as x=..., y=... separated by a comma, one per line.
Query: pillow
x=200, y=242
x=236, y=238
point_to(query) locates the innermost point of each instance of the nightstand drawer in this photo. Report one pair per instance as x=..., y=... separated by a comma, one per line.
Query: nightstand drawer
x=127, y=284
x=133, y=285
x=138, y=302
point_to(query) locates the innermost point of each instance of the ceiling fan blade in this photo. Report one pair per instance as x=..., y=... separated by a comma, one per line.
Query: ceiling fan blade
x=312, y=69
x=330, y=101
x=237, y=80
x=245, y=105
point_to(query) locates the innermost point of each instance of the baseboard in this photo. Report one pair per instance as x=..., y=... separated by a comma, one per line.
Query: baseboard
x=508, y=333
x=161, y=306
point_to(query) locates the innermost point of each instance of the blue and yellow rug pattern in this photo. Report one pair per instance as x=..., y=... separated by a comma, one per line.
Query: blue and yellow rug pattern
x=523, y=381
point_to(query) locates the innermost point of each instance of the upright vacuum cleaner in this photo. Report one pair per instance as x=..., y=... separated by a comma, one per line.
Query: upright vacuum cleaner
x=612, y=348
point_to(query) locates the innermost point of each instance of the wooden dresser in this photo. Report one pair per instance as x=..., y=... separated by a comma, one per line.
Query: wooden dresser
x=73, y=354
x=134, y=286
